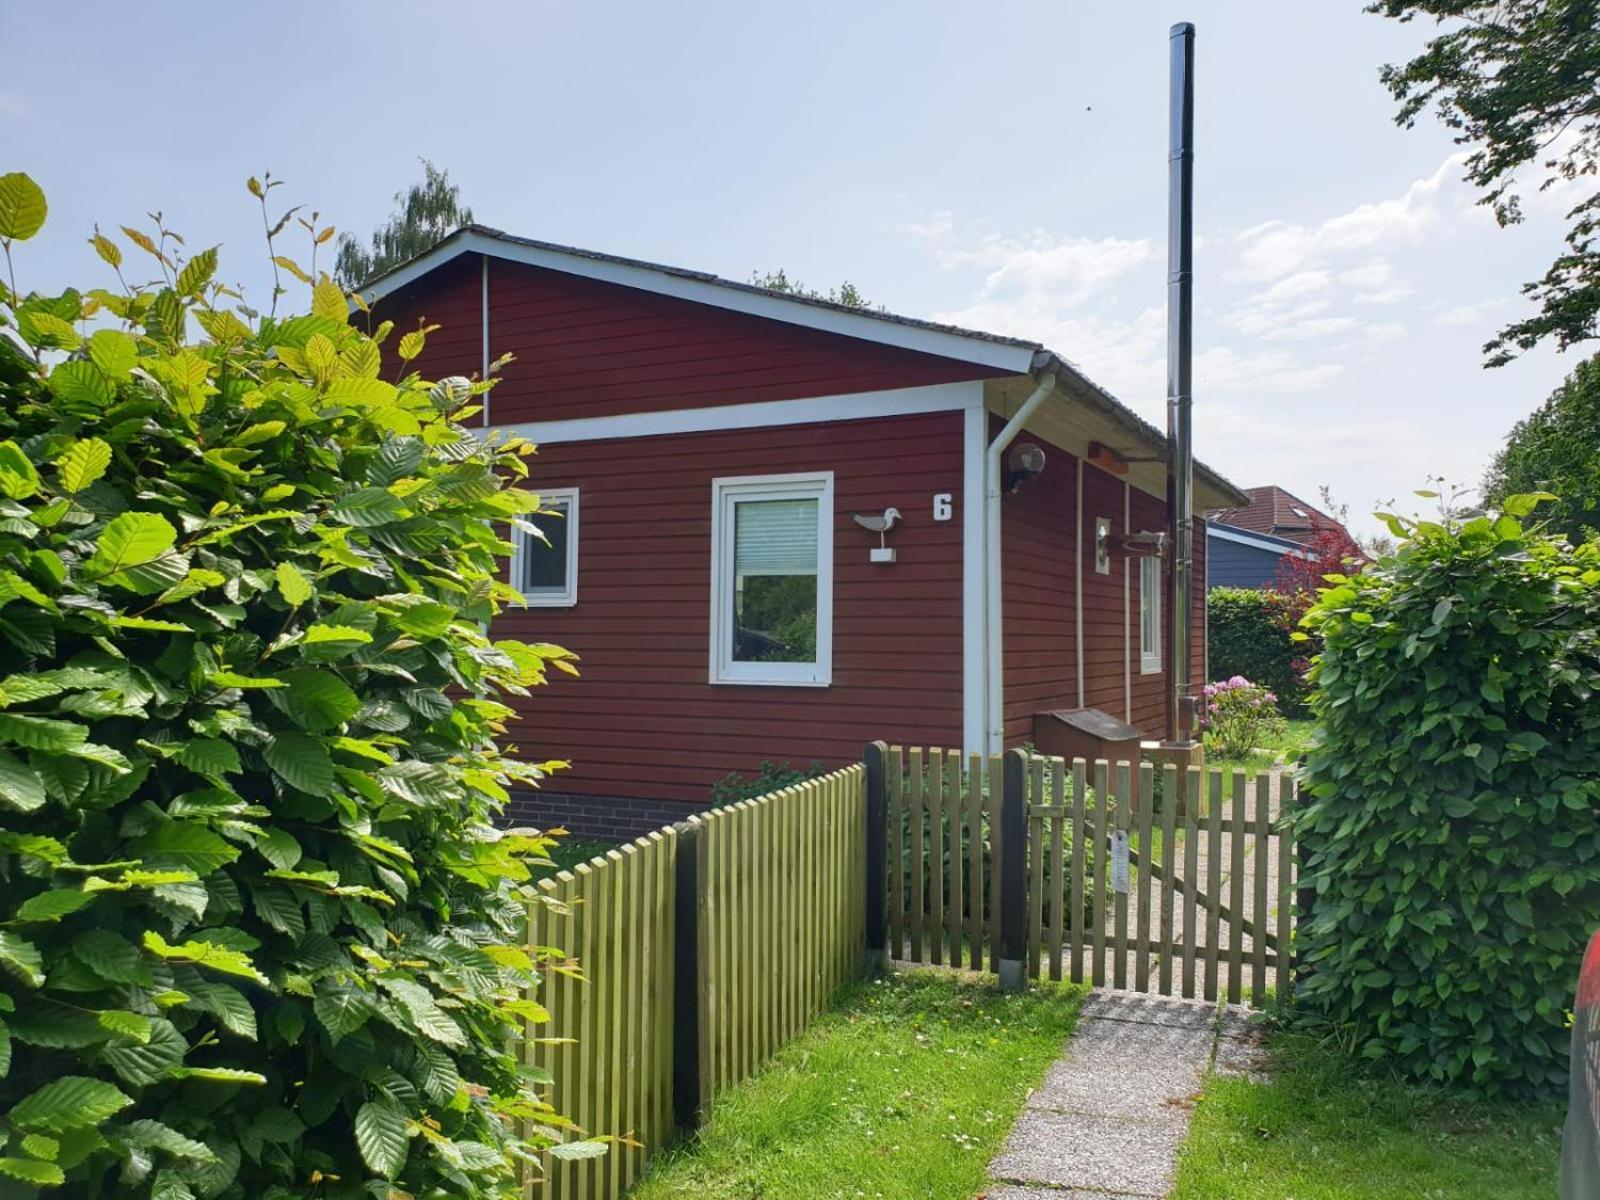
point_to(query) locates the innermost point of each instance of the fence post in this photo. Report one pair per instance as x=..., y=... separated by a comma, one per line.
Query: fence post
x=1014, y=873
x=686, y=1014
x=877, y=856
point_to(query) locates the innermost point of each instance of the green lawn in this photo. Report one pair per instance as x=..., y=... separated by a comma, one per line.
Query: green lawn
x=902, y=1092
x=1324, y=1129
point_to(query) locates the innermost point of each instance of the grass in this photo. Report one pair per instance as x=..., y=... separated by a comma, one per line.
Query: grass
x=1324, y=1129
x=905, y=1090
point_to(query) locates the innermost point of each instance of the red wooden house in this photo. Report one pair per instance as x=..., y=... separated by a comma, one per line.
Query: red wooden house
x=710, y=444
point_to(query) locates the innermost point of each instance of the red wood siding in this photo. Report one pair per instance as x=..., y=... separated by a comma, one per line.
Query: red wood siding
x=1038, y=567
x=642, y=720
x=588, y=349
x=1105, y=639
x=450, y=297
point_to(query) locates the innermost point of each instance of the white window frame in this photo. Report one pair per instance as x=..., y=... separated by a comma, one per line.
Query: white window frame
x=1150, y=631
x=568, y=596
x=726, y=493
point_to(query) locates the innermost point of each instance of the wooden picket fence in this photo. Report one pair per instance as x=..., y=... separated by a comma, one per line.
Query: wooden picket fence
x=695, y=954
x=1184, y=886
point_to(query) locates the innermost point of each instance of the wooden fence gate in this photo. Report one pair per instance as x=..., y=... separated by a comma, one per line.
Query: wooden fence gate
x=1178, y=882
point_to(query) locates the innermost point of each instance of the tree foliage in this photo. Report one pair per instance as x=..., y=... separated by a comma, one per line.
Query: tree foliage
x=846, y=293
x=258, y=935
x=1557, y=449
x=1519, y=81
x=424, y=214
x=1452, y=834
x=1248, y=634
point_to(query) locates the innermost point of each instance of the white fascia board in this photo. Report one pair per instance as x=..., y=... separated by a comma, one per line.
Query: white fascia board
x=855, y=406
x=1260, y=543
x=1011, y=358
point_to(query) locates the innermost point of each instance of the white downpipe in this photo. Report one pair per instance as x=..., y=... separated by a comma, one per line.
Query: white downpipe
x=993, y=475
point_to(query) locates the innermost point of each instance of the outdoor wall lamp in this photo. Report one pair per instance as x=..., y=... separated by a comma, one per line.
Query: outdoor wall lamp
x=1027, y=462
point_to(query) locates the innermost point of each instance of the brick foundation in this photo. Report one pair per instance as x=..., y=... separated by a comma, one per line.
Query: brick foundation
x=604, y=818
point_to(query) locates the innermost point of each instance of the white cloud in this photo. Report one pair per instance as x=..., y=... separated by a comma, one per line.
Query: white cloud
x=1275, y=249
x=1463, y=315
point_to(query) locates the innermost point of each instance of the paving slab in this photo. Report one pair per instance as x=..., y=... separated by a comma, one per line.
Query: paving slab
x=1148, y=1010
x=1092, y=1153
x=1152, y=1090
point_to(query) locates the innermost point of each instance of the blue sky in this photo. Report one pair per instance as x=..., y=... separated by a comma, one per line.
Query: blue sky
x=1001, y=166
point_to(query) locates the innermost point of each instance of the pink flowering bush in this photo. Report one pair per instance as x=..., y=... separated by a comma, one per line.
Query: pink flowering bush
x=1239, y=716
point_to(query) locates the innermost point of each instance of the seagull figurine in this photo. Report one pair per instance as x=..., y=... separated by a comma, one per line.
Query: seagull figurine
x=879, y=525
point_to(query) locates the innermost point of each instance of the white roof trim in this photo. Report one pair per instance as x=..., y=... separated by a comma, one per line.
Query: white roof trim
x=857, y=406
x=1013, y=359
x=1249, y=539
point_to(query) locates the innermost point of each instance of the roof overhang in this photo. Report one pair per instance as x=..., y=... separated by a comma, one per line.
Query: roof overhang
x=1259, y=541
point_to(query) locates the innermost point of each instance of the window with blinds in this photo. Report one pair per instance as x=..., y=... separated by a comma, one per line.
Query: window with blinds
x=772, y=544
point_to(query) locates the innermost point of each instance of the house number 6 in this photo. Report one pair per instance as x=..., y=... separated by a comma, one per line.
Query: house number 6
x=941, y=506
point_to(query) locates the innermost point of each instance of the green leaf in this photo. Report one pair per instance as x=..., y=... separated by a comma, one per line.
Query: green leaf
x=184, y=844
x=42, y=733
x=30, y=1170
x=209, y=756
x=19, y=479
x=153, y=1135
x=220, y=1075
x=279, y=848
x=202, y=953
x=131, y=1025
x=321, y=634
x=51, y=906
x=341, y=1011
x=228, y=1004
x=22, y=207
x=574, y=1151
x=147, y=1063
x=381, y=1136
x=368, y=507
x=197, y=272
x=21, y=957
x=430, y=1020
x=115, y=353
x=130, y=540
x=84, y=462
x=316, y=700
x=21, y=789
x=82, y=385
x=110, y=956
x=70, y=1102
x=295, y=588
x=302, y=762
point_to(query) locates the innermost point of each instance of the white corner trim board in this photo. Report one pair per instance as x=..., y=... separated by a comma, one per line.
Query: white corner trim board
x=974, y=666
x=854, y=406
x=717, y=294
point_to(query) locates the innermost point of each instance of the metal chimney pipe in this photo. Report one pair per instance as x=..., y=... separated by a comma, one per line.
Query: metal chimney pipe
x=1180, y=355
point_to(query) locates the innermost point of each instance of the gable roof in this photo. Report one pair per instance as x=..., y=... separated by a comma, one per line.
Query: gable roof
x=1278, y=512
x=1007, y=355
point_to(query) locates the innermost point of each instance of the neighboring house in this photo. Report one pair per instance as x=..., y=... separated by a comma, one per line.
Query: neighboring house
x=1237, y=557
x=1278, y=513
x=709, y=444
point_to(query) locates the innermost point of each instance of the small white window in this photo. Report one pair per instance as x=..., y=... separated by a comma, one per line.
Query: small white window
x=772, y=580
x=545, y=570
x=1150, y=616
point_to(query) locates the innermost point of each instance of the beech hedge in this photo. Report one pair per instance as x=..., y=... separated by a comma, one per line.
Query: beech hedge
x=258, y=934
x=1249, y=633
x=1453, y=828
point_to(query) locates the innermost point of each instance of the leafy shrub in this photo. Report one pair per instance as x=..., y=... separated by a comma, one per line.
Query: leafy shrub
x=258, y=935
x=1453, y=828
x=1239, y=716
x=1248, y=633
x=771, y=777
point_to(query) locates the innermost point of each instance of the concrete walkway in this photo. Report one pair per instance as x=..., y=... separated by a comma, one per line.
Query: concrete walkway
x=1110, y=1116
